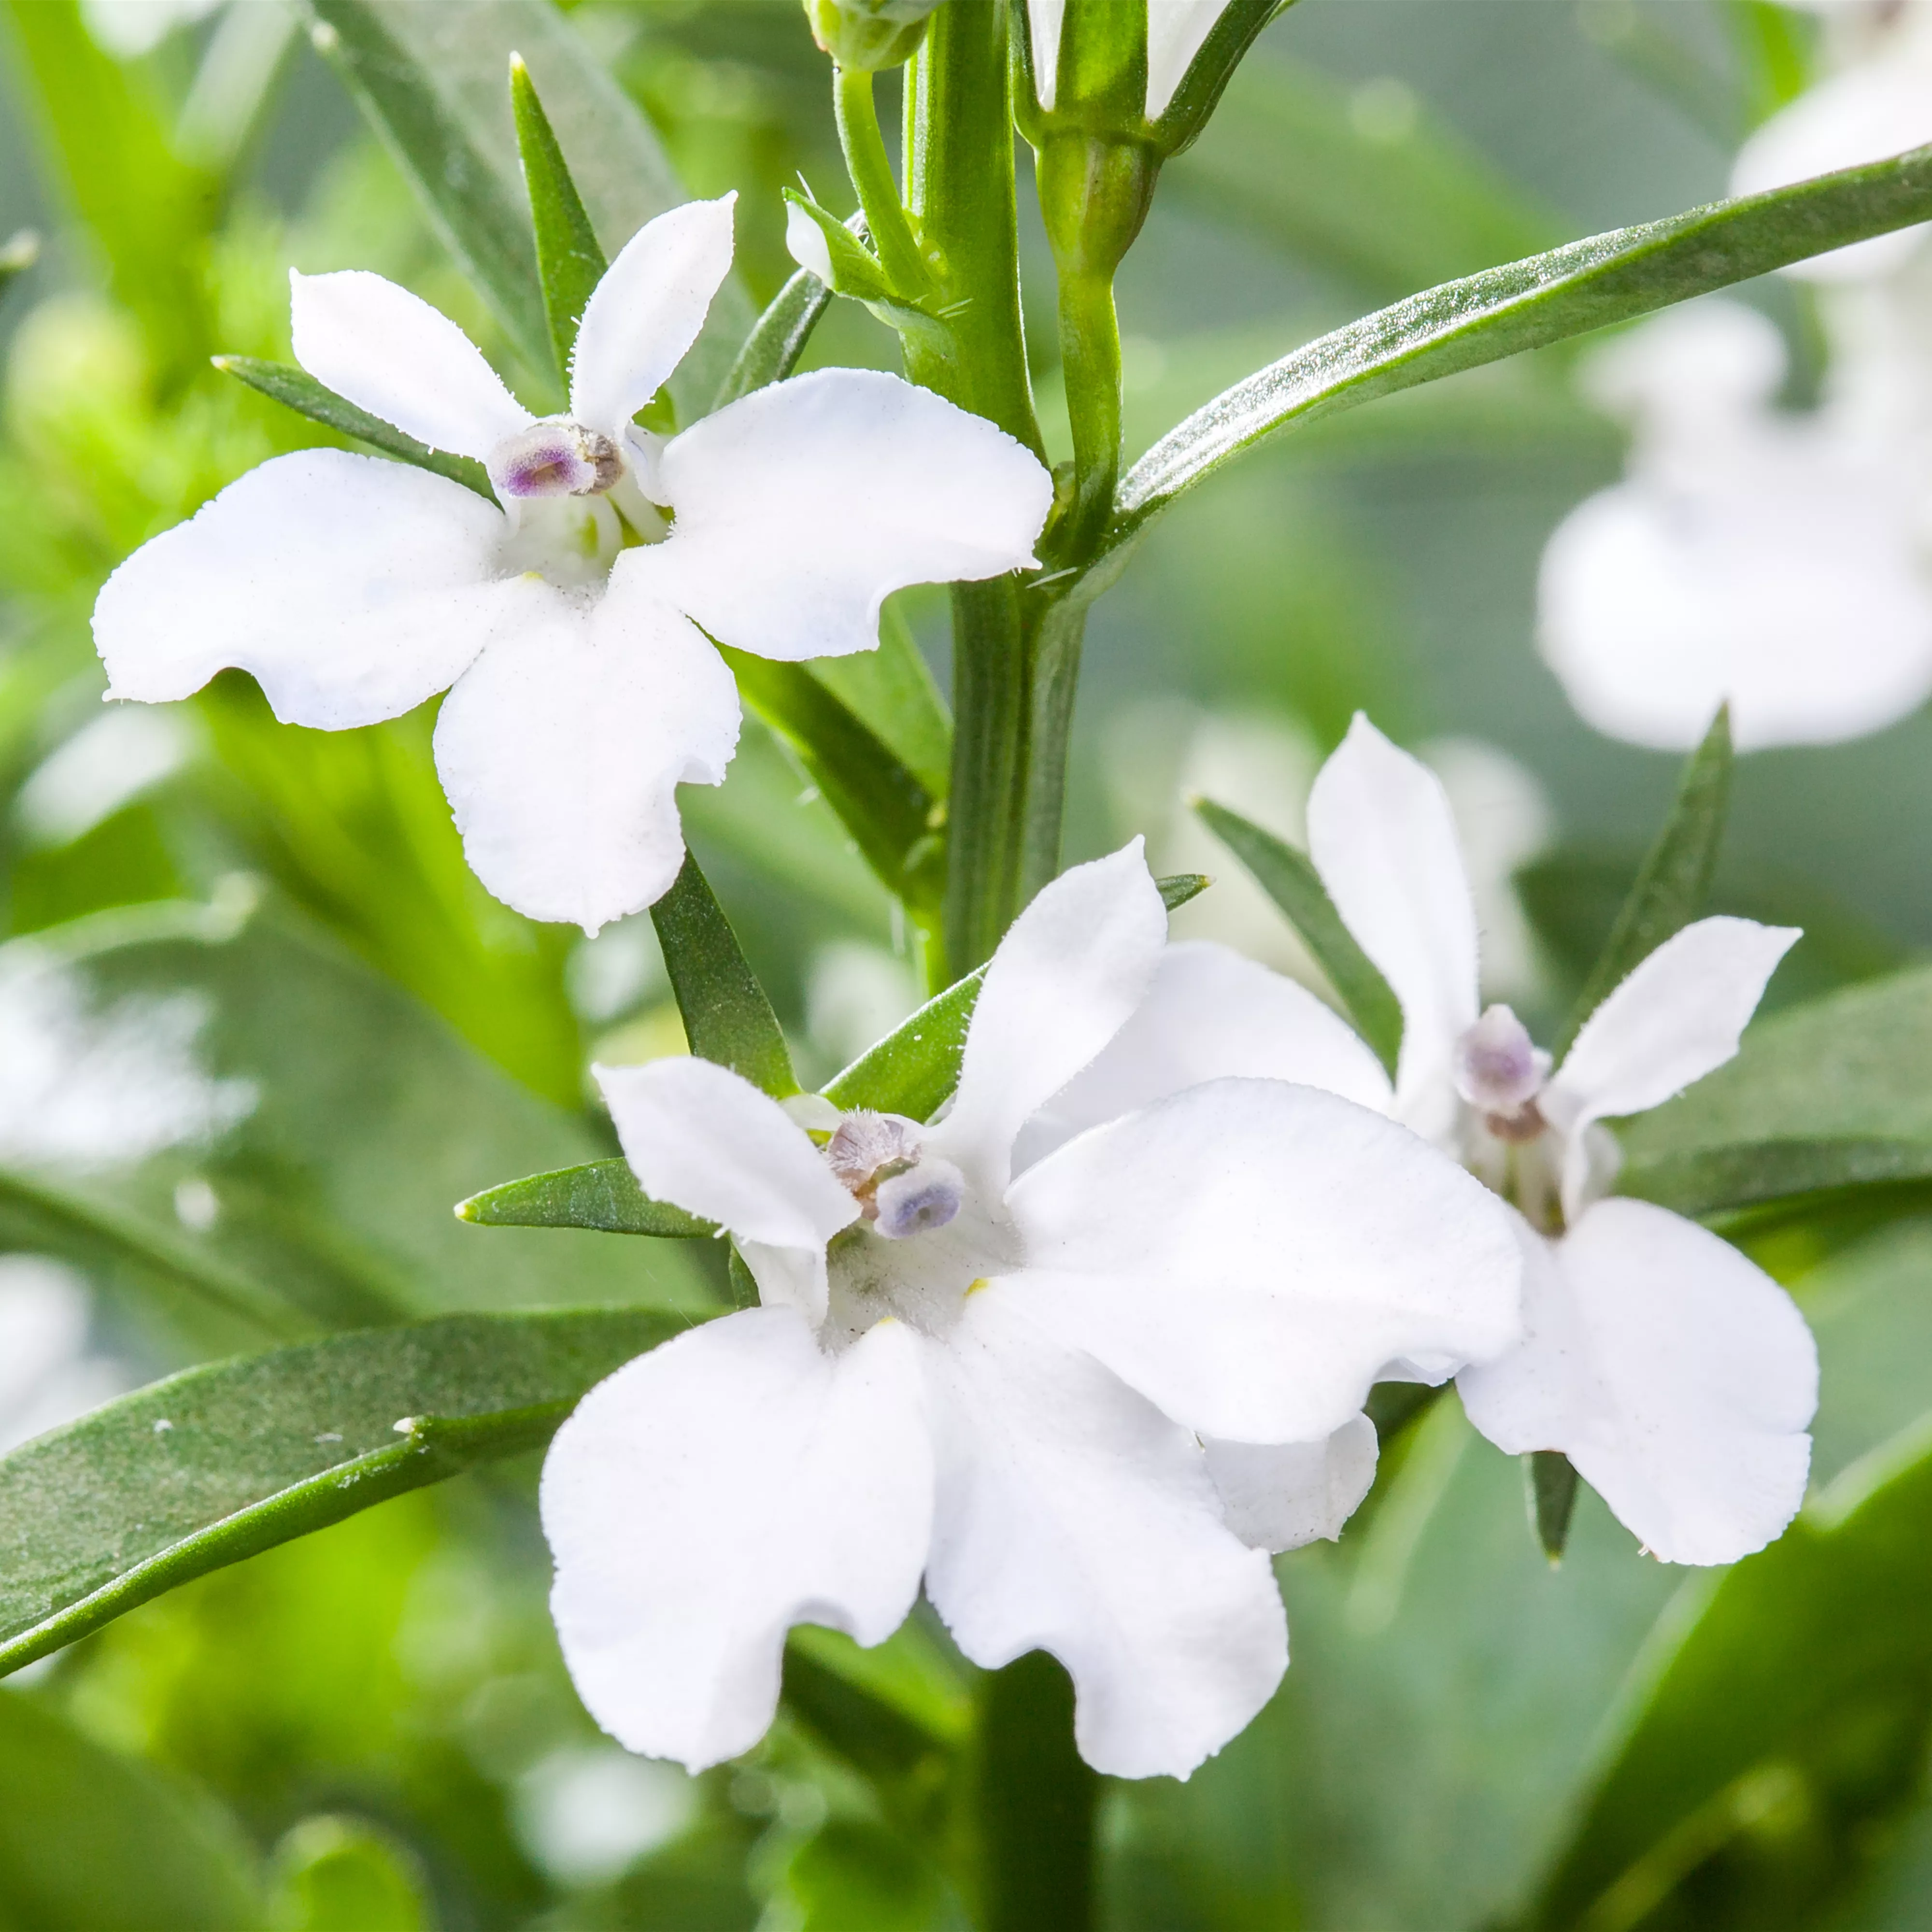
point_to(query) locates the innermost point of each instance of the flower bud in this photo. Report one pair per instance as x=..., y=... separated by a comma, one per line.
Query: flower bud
x=869, y=36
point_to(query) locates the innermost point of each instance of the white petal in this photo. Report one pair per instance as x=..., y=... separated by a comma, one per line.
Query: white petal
x=1044, y=19
x=1071, y=969
x=710, y=1495
x=647, y=311
x=351, y=589
x=799, y=508
x=1785, y=578
x=1210, y=1014
x=1382, y=836
x=1279, y=1496
x=1071, y=1517
x=1679, y=1379
x=562, y=749
x=389, y=352
x=1177, y=31
x=806, y=244
x=705, y=1139
x=1249, y=1254
x=1677, y=1017
x=1864, y=114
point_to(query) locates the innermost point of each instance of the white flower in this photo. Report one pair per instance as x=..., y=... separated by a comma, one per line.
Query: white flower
x=585, y=686
x=1177, y=30
x=1082, y=1403
x=1679, y=1377
x=1772, y=560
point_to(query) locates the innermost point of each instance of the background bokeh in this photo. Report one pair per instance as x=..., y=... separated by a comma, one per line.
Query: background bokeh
x=260, y=945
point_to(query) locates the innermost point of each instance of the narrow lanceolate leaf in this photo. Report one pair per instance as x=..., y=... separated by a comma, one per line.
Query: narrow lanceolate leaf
x=778, y=338
x=1551, y=1479
x=1585, y=285
x=1289, y=878
x=1832, y=1094
x=1779, y=1733
x=604, y=1195
x=913, y=1069
x=1674, y=883
x=220, y=1462
x=890, y=814
x=726, y=1016
x=429, y=74
x=570, y=261
x=302, y=393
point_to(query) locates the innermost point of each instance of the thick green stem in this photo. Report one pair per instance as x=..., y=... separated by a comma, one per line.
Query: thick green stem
x=1057, y=631
x=871, y=168
x=1035, y=1801
x=1090, y=348
x=991, y=694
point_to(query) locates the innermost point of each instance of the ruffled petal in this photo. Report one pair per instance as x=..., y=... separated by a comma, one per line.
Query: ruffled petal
x=716, y=1491
x=643, y=317
x=801, y=508
x=1249, y=1255
x=1210, y=1014
x=1071, y=969
x=1679, y=1377
x=1177, y=31
x=389, y=352
x=1280, y=1495
x=705, y=1139
x=1071, y=1517
x=1384, y=840
x=563, y=748
x=1864, y=114
x=1678, y=1016
x=350, y=588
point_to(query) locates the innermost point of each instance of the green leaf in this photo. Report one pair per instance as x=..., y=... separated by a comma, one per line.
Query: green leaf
x=604, y=1195
x=217, y=1463
x=726, y=1016
x=355, y=1117
x=887, y=1710
x=777, y=339
x=890, y=814
x=146, y=210
x=570, y=261
x=343, y=1875
x=302, y=393
x=1548, y=298
x=1779, y=1732
x=1673, y=885
x=851, y=1876
x=892, y=689
x=429, y=73
x=1291, y=880
x=1391, y=209
x=1551, y=1479
x=91, y=1839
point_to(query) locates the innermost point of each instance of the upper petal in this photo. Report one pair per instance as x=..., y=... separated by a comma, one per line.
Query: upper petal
x=1177, y=31
x=1071, y=969
x=1209, y=1015
x=714, y=1493
x=1678, y=1015
x=1280, y=1495
x=1383, y=838
x=1249, y=1254
x=1679, y=1377
x=643, y=317
x=703, y=1138
x=389, y=352
x=563, y=748
x=1071, y=1517
x=351, y=588
x=799, y=508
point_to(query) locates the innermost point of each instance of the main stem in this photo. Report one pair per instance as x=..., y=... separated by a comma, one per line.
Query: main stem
x=959, y=183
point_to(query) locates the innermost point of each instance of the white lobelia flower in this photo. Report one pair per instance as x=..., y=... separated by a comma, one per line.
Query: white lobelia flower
x=1677, y=1377
x=1082, y=1400
x=1750, y=555
x=1177, y=30
x=575, y=631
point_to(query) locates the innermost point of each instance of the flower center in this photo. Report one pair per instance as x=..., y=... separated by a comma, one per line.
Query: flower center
x=1499, y=1071
x=555, y=457
x=901, y=1190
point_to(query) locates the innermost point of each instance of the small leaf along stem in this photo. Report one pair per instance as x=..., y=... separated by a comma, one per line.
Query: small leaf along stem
x=871, y=168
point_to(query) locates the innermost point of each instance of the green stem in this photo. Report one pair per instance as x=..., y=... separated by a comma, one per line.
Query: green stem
x=1090, y=348
x=871, y=168
x=1057, y=630
x=987, y=810
x=1035, y=1801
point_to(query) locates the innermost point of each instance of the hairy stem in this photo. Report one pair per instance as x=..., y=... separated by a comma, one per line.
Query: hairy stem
x=871, y=168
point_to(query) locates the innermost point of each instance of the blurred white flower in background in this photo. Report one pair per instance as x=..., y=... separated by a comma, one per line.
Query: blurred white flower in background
x=48, y=1373
x=130, y=28
x=1778, y=559
x=108, y=763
